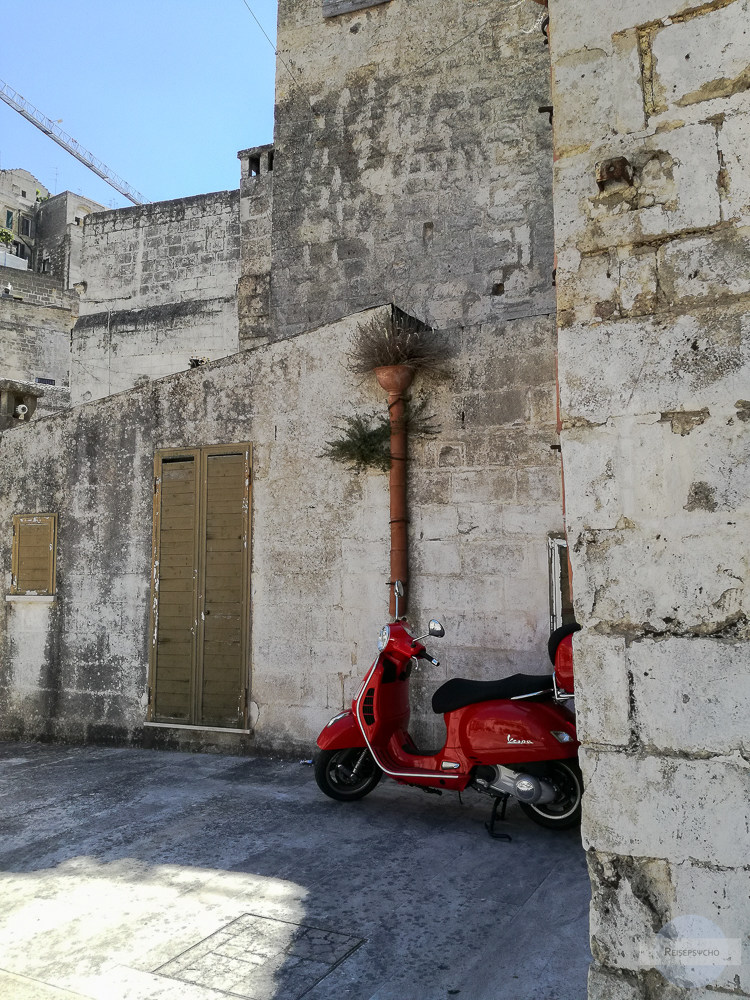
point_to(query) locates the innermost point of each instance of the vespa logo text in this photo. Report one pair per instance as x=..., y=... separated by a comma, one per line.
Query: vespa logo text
x=512, y=739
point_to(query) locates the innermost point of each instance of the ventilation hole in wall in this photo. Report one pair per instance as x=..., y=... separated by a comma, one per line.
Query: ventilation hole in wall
x=498, y=288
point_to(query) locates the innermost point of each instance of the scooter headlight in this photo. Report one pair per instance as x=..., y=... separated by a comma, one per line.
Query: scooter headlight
x=384, y=637
x=336, y=718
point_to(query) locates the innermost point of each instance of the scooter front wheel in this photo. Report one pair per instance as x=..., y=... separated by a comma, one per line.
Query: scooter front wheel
x=346, y=775
x=565, y=811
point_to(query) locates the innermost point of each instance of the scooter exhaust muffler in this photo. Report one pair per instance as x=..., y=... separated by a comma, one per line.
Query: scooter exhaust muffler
x=522, y=786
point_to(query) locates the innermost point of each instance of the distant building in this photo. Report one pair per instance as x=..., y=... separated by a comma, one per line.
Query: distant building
x=46, y=229
x=59, y=235
x=20, y=193
x=39, y=265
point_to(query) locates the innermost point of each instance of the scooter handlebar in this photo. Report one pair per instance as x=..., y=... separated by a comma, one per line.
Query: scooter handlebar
x=424, y=655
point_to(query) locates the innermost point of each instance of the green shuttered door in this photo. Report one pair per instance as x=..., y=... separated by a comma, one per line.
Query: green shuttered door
x=200, y=607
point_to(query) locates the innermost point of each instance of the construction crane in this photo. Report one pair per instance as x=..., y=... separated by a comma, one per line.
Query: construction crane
x=14, y=100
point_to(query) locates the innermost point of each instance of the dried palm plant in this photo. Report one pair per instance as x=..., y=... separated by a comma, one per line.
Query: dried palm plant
x=396, y=338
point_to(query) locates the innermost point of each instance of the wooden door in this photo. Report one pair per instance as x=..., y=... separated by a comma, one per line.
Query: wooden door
x=201, y=587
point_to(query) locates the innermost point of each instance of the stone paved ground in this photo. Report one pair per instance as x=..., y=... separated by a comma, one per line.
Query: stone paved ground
x=148, y=875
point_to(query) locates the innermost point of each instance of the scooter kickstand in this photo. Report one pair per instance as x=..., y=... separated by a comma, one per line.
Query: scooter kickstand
x=501, y=802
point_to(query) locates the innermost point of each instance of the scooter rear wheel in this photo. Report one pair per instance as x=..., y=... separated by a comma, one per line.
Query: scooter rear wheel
x=346, y=775
x=565, y=811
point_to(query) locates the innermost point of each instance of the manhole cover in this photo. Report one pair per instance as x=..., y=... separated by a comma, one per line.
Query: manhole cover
x=262, y=958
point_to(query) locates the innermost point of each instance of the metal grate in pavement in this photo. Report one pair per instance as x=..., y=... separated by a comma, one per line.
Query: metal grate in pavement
x=261, y=958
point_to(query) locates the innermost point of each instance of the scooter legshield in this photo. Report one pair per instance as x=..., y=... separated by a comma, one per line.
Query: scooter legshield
x=341, y=734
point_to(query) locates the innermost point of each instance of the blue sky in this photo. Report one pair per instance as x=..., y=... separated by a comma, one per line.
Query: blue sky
x=164, y=92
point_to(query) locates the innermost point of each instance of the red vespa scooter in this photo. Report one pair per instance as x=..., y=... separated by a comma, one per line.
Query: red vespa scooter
x=510, y=737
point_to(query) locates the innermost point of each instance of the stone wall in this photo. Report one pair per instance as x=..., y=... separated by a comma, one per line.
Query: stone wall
x=160, y=287
x=483, y=495
x=35, y=323
x=652, y=201
x=412, y=163
x=256, y=201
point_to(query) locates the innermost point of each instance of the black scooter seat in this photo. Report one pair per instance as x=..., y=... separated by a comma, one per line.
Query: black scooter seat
x=458, y=692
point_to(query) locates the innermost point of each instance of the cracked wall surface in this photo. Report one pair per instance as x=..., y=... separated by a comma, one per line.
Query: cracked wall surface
x=654, y=364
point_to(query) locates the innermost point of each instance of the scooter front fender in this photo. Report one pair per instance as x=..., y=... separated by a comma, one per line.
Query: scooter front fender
x=342, y=733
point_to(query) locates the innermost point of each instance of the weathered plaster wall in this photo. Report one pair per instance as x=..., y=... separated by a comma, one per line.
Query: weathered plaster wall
x=160, y=288
x=654, y=373
x=256, y=201
x=35, y=323
x=484, y=494
x=411, y=163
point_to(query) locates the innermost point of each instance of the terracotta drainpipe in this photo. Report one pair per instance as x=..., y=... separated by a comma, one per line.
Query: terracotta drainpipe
x=396, y=379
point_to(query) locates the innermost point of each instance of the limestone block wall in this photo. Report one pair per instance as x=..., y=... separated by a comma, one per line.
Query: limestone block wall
x=36, y=318
x=484, y=494
x=412, y=163
x=159, y=288
x=652, y=203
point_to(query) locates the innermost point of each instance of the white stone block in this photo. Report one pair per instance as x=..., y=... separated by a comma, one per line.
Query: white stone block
x=668, y=807
x=734, y=141
x=674, y=189
x=602, y=689
x=691, y=695
x=634, y=898
x=636, y=579
x=701, y=58
x=595, y=88
x=688, y=462
x=652, y=365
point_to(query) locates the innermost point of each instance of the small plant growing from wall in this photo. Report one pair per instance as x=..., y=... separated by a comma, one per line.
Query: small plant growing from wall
x=6, y=237
x=364, y=441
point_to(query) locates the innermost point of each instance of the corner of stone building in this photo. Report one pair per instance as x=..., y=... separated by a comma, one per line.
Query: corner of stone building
x=651, y=197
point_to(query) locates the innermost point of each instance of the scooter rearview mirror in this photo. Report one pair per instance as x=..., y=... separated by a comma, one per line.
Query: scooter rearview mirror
x=436, y=629
x=398, y=588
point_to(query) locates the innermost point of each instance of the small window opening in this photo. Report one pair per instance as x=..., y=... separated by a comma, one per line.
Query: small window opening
x=270, y=161
x=46, y=381
x=253, y=166
x=23, y=194
x=26, y=227
x=8, y=220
